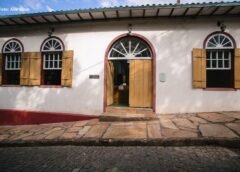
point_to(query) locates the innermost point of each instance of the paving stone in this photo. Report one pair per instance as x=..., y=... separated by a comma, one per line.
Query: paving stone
x=96, y=131
x=68, y=136
x=185, y=115
x=167, y=123
x=215, y=117
x=73, y=129
x=169, y=116
x=178, y=133
x=238, y=121
x=53, y=130
x=54, y=135
x=154, y=130
x=234, y=126
x=216, y=130
x=35, y=137
x=80, y=123
x=83, y=131
x=184, y=124
x=18, y=137
x=232, y=114
x=126, y=132
x=197, y=120
x=3, y=137
x=93, y=122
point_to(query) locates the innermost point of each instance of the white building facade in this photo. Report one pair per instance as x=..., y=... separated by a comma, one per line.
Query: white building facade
x=170, y=39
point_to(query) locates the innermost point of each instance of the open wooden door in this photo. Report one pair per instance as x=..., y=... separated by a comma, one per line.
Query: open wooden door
x=140, y=83
x=110, y=80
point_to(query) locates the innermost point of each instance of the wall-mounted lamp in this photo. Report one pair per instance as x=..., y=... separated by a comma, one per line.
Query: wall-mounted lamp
x=129, y=28
x=221, y=25
x=50, y=31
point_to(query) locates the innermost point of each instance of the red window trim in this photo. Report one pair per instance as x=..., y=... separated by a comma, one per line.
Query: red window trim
x=220, y=89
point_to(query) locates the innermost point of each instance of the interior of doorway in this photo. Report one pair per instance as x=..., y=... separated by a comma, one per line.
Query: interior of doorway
x=121, y=83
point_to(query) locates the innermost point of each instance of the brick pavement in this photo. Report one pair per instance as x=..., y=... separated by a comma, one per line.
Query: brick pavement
x=218, y=125
x=119, y=159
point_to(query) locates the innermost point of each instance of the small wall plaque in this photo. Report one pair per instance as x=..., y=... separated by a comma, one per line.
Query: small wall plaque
x=162, y=77
x=94, y=76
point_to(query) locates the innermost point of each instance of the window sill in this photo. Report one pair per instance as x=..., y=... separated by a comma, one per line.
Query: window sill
x=220, y=89
x=51, y=86
x=5, y=85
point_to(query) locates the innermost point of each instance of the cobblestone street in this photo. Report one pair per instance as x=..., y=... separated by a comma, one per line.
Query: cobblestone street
x=80, y=158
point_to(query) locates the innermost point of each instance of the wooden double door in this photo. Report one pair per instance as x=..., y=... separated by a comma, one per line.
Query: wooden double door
x=139, y=83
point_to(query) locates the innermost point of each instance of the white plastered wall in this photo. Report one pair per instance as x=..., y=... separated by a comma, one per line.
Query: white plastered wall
x=173, y=40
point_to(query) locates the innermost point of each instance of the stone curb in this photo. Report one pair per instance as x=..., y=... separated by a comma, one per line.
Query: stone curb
x=225, y=142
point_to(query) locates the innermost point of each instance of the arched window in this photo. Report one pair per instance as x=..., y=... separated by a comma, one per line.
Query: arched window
x=52, y=49
x=130, y=48
x=220, y=53
x=12, y=50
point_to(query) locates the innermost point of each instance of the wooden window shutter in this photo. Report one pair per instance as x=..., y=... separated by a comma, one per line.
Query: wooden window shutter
x=1, y=68
x=237, y=68
x=25, y=66
x=67, y=63
x=30, y=73
x=110, y=84
x=199, y=68
x=35, y=69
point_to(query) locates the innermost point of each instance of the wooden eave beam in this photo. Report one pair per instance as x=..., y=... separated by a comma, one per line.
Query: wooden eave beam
x=56, y=18
x=104, y=15
x=185, y=12
x=66, y=15
x=212, y=13
x=157, y=13
x=171, y=12
x=229, y=10
x=91, y=16
x=199, y=11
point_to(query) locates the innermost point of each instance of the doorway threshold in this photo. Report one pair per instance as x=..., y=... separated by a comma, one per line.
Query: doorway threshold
x=116, y=113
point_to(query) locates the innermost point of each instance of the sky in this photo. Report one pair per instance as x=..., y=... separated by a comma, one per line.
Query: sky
x=11, y=7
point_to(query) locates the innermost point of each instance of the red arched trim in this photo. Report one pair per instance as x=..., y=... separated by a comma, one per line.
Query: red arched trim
x=50, y=38
x=15, y=39
x=153, y=67
x=225, y=33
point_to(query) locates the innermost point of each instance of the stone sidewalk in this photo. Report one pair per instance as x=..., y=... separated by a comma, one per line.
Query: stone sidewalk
x=172, y=129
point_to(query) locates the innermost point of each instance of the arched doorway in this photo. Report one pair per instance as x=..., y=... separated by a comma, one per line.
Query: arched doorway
x=130, y=73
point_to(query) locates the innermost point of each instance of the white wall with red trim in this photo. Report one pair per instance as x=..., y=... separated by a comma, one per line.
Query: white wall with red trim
x=173, y=40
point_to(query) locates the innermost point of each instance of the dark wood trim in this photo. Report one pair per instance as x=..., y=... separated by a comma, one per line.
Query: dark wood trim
x=35, y=20
x=228, y=11
x=4, y=22
x=91, y=16
x=48, y=21
x=157, y=13
x=22, y=117
x=216, y=32
x=144, y=12
x=80, y=17
x=58, y=20
x=104, y=15
x=213, y=11
x=66, y=15
x=185, y=12
x=117, y=13
x=26, y=22
x=130, y=13
x=199, y=11
x=153, y=63
x=15, y=22
x=171, y=13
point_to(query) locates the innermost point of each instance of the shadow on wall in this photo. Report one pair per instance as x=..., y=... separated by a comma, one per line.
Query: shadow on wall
x=80, y=99
x=174, y=58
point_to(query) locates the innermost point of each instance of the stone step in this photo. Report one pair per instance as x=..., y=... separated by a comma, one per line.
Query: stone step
x=129, y=110
x=117, y=117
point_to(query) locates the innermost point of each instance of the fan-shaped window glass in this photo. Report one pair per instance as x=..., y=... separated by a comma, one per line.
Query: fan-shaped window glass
x=52, y=44
x=219, y=62
x=52, y=61
x=130, y=48
x=12, y=62
x=219, y=41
